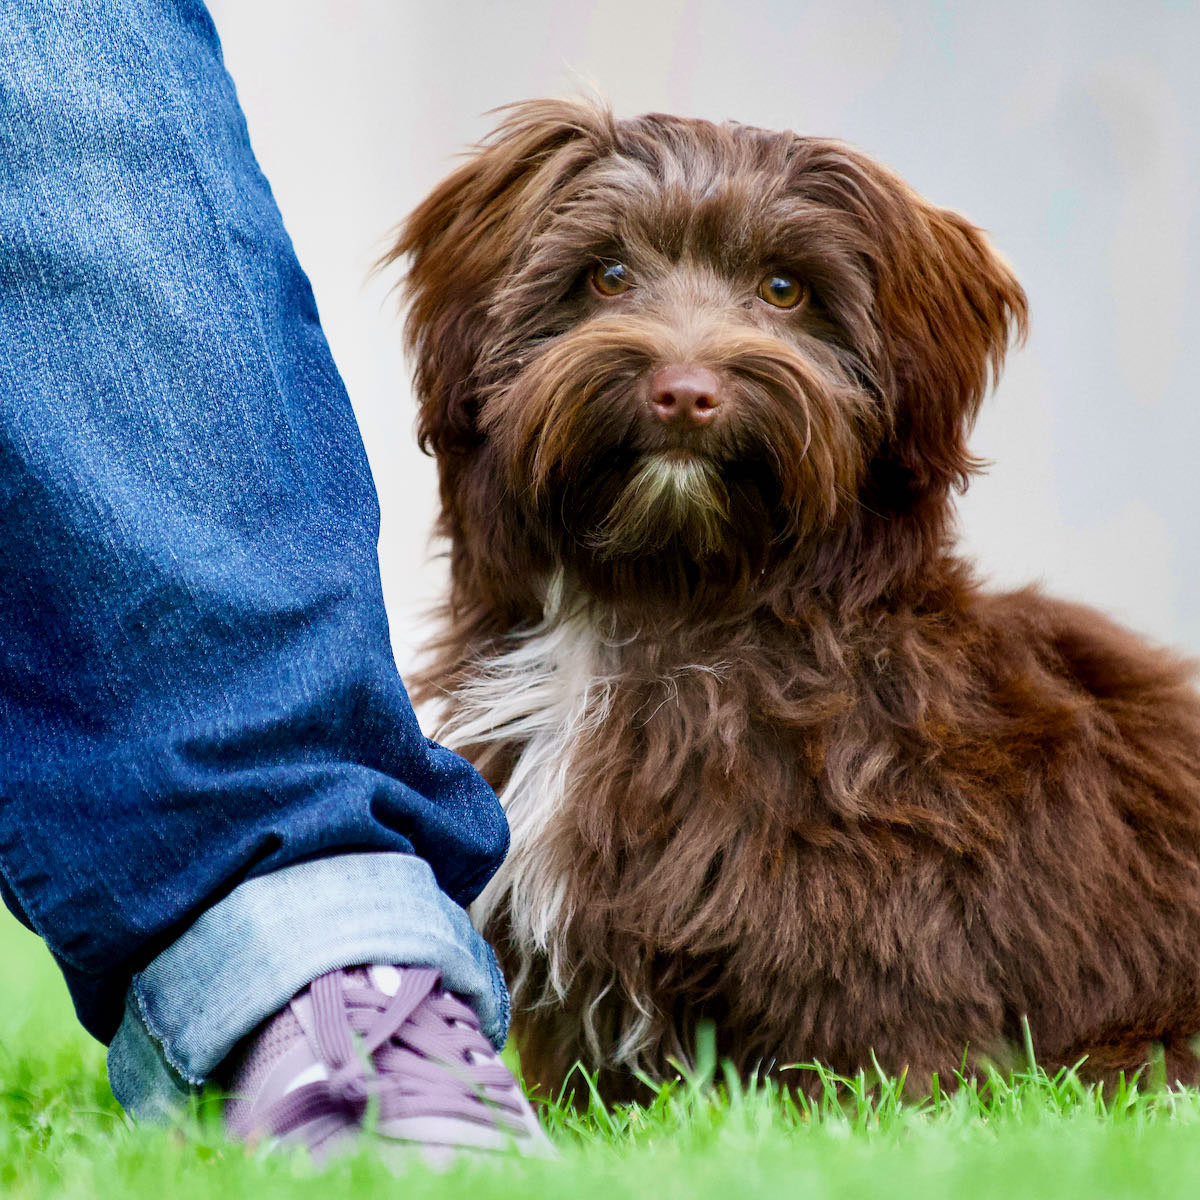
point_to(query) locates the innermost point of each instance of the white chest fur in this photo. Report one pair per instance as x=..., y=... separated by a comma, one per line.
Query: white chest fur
x=544, y=694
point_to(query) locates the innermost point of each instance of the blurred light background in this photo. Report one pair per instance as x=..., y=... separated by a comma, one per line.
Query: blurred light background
x=1070, y=130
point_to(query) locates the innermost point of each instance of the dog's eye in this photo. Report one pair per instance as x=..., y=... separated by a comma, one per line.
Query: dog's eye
x=781, y=289
x=610, y=279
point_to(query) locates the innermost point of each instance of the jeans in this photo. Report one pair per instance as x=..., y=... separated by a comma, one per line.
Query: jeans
x=212, y=785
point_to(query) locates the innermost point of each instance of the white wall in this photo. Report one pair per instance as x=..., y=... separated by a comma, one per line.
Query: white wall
x=1070, y=130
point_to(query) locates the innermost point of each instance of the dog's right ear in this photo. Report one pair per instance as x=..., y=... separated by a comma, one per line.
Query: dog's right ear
x=464, y=236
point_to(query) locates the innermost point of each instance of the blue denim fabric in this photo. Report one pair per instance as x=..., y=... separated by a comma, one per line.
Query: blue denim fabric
x=196, y=683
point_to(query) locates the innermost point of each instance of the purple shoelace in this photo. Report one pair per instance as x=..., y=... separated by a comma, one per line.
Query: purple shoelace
x=346, y=1051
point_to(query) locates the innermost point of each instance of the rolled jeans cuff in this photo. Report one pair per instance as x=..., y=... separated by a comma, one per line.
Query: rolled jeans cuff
x=249, y=954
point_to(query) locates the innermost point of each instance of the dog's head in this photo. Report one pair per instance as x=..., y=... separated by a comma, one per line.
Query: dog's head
x=675, y=357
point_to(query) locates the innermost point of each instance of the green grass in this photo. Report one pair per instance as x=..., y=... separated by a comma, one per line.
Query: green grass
x=62, y=1135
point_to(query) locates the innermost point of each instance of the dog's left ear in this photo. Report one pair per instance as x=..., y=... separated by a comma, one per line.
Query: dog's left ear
x=947, y=307
x=463, y=237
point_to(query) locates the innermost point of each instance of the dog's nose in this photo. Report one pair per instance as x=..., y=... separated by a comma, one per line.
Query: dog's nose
x=685, y=394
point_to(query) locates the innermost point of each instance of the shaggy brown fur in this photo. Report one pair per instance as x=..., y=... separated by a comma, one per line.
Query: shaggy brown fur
x=772, y=757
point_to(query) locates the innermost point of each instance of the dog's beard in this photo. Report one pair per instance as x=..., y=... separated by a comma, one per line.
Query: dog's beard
x=680, y=531
x=669, y=496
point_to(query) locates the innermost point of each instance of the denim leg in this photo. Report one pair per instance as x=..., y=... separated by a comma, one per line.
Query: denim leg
x=197, y=689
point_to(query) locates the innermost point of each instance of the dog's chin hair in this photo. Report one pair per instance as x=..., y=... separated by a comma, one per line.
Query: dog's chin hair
x=669, y=495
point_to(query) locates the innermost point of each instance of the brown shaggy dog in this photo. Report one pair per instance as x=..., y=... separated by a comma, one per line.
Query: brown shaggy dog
x=700, y=398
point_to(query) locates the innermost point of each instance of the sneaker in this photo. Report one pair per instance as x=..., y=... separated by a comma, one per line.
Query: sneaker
x=385, y=1050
